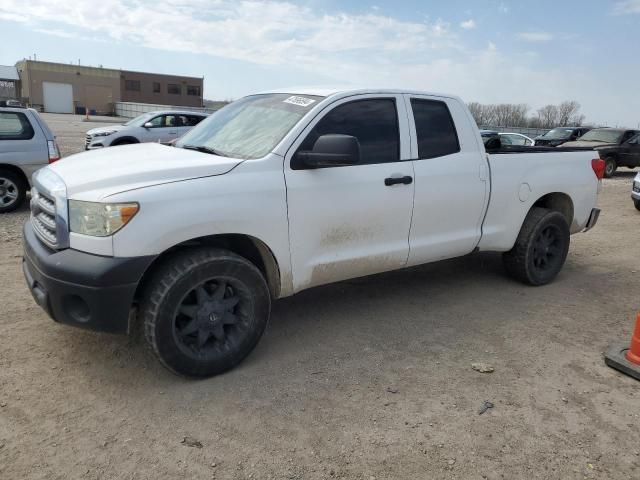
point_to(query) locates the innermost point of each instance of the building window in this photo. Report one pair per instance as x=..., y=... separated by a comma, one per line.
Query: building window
x=174, y=89
x=132, y=85
x=156, y=87
x=193, y=90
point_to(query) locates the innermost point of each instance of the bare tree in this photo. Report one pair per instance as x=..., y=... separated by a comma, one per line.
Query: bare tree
x=569, y=114
x=548, y=116
x=517, y=115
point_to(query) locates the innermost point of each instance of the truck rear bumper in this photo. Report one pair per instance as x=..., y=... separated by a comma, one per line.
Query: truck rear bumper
x=80, y=289
x=593, y=219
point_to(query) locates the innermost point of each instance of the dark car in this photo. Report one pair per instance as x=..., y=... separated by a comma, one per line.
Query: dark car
x=618, y=147
x=560, y=135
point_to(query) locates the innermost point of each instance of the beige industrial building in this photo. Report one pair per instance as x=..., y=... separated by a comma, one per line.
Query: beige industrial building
x=69, y=88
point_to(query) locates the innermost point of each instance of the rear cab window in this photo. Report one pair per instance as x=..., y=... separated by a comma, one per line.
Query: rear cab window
x=15, y=126
x=435, y=130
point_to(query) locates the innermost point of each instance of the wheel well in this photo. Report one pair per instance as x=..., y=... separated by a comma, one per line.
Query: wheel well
x=16, y=170
x=119, y=141
x=559, y=202
x=251, y=248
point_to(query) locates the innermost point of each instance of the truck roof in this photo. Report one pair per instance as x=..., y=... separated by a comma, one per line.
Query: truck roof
x=346, y=91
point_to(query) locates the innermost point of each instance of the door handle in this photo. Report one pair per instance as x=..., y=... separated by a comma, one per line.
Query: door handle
x=406, y=180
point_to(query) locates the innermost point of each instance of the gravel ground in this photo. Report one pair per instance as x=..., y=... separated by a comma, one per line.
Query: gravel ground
x=369, y=378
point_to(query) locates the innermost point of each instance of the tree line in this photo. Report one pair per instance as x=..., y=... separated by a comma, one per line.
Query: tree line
x=566, y=114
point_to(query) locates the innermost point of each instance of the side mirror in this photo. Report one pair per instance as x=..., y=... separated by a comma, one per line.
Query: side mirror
x=331, y=150
x=148, y=125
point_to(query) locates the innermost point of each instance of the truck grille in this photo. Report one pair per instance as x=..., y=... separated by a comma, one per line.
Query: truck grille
x=43, y=217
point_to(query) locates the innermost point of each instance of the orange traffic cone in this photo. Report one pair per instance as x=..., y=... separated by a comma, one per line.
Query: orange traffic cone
x=626, y=358
x=633, y=355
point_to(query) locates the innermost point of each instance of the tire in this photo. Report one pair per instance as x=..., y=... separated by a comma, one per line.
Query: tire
x=637, y=204
x=610, y=167
x=13, y=191
x=540, y=249
x=204, y=311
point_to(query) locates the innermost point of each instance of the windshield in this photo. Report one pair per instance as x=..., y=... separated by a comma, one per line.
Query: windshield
x=604, y=136
x=558, y=133
x=139, y=120
x=250, y=127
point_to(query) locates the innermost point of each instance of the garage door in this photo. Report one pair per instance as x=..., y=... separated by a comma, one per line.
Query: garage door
x=58, y=97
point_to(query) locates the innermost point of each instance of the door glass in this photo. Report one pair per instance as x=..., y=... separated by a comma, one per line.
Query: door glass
x=373, y=122
x=435, y=129
x=157, y=122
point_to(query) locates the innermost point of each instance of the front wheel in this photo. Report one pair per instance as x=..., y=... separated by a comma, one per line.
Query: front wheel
x=204, y=311
x=637, y=204
x=610, y=167
x=540, y=249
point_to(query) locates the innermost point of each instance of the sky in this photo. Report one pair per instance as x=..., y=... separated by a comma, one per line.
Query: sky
x=491, y=51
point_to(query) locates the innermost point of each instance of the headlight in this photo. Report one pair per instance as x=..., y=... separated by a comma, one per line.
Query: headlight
x=104, y=134
x=99, y=219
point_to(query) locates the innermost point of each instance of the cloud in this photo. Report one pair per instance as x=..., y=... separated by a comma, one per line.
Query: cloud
x=271, y=32
x=626, y=7
x=535, y=37
x=370, y=48
x=468, y=24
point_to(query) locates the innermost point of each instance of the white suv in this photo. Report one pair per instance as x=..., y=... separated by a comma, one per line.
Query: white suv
x=161, y=127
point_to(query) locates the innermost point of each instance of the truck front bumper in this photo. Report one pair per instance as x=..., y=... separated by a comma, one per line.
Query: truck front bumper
x=80, y=289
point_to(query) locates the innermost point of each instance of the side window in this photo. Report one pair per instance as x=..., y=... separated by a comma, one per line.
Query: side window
x=196, y=119
x=170, y=121
x=435, y=129
x=157, y=122
x=15, y=126
x=634, y=140
x=373, y=122
x=628, y=135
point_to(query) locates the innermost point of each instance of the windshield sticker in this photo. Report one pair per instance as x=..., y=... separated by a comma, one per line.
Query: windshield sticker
x=300, y=101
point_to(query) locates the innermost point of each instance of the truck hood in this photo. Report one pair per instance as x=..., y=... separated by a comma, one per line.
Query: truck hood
x=110, y=128
x=96, y=174
x=582, y=143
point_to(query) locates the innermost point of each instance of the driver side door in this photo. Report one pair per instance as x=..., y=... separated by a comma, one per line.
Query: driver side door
x=163, y=129
x=351, y=221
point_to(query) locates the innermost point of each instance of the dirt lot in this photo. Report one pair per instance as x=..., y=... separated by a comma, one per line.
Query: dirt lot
x=369, y=378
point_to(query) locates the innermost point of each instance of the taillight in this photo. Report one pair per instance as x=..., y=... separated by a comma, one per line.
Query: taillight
x=598, y=166
x=54, y=153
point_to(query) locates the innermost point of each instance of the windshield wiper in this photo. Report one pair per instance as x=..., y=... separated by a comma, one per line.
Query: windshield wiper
x=203, y=149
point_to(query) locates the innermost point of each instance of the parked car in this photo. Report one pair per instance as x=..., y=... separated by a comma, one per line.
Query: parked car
x=516, y=139
x=280, y=192
x=635, y=191
x=487, y=135
x=560, y=135
x=160, y=127
x=613, y=145
x=627, y=154
x=26, y=144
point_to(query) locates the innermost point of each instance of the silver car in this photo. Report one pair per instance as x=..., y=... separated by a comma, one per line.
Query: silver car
x=159, y=127
x=26, y=144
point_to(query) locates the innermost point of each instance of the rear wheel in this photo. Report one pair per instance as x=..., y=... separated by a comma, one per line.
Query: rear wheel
x=13, y=190
x=540, y=249
x=610, y=167
x=204, y=311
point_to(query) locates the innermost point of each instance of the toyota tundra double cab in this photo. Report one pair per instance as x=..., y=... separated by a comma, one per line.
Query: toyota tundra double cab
x=280, y=192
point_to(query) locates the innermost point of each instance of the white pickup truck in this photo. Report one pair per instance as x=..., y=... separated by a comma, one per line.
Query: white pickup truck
x=283, y=191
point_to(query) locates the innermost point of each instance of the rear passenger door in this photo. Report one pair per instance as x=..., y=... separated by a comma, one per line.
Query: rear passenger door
x=451, y=180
